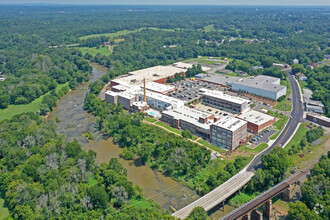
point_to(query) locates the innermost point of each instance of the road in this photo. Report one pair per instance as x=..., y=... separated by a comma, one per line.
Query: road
x=222, y=192
x=296, y=116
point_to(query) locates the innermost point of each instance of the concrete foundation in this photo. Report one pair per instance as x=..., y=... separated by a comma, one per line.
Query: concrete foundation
x=256, y=215
x=247, y=216
x=268, y=209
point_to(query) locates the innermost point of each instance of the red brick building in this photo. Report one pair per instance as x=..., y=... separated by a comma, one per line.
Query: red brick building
x=257, y=121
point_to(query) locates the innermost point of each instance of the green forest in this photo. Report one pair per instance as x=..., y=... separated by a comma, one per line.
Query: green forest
x=45, y=51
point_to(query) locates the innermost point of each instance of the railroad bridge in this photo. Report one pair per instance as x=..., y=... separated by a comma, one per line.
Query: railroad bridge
x=248, y=211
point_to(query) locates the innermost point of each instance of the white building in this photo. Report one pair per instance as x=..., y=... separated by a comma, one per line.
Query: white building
x=265, y=86
x=223, y=101
x=160, y=101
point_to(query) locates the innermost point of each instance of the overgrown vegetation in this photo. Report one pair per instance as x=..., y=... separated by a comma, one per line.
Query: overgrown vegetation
x=314, y=203
x=44, y=177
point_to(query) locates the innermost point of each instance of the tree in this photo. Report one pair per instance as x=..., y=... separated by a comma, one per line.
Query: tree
x=186, y=134
x=198, y=213
x=267, y=62
x=99, y=196
x=299, y=211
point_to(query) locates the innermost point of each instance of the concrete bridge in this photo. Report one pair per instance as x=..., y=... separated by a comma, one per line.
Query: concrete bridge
x=248, y=211
x=218, y=195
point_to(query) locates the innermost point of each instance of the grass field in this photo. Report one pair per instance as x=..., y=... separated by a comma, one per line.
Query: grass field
x=301, y=132
x=258, y=149
x=303, y=85
x=169, y=127
x=121, y=33
x=34, y=106
x=151, y=120
x=279, y=124
x=284, y=105
x=211, y=146
x=309, y=153
x=288, y=86
x=93, y=50
x=205, y=60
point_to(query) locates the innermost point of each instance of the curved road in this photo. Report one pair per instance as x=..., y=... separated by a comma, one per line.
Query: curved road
x=296, y=117
x=222, y=192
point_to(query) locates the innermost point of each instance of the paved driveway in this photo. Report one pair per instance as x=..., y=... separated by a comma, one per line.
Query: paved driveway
x=264, y=139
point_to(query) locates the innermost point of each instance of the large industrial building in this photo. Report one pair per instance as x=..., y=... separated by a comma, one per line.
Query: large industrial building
x=257, y=121
x=194, y=120
x=228, y=132
x=154, y=100
x=265, y=86
x=160, y=101
x=152, y=74
x=224, y=101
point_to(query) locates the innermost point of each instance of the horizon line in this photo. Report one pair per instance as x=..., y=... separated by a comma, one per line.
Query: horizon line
x=102, y=4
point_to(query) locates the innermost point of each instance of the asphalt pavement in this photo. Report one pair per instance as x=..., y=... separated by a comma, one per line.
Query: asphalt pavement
x=296, y=116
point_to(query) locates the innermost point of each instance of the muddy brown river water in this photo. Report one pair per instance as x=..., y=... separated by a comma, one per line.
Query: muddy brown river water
x=75, y=120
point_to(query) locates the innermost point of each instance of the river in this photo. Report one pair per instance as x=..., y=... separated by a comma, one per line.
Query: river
x=75, y=120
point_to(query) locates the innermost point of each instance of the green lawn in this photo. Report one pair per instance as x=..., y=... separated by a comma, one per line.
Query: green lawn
x=279, y=124
x=258, y=149
x=284, y=105
x=93, y=50
x=34, y=106
x=169, y=127
x=205, y=60
x=288, y=86
x=152, y=120
x=211, y=146
x=121, y=33
x=301, y=132
x=303, y=85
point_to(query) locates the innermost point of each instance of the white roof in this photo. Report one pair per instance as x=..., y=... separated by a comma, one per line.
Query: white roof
x=150, y=74
x=139, y=104
x=256, y=117
x=190, y=115
x=158, y=87
x=223, y=96
x=163, y=98
x=188, y=65
x=230, y=123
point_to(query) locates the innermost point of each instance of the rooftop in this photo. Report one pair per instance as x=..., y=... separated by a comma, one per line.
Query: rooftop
x=223, y=96
x=321, y=117
x=190, y=115
x=158, y=87
x=262, y=82
x=188, y=65
x=230, y=123
x=150, y=74
x=219, y=79
x=256, y=117
x=164, y=98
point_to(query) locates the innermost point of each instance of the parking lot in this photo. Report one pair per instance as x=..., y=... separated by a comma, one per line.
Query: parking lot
x=262, y=138
x=215, y=111
x=188, y=89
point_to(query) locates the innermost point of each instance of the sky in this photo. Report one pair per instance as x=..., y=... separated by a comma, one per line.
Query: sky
x=172, y=2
